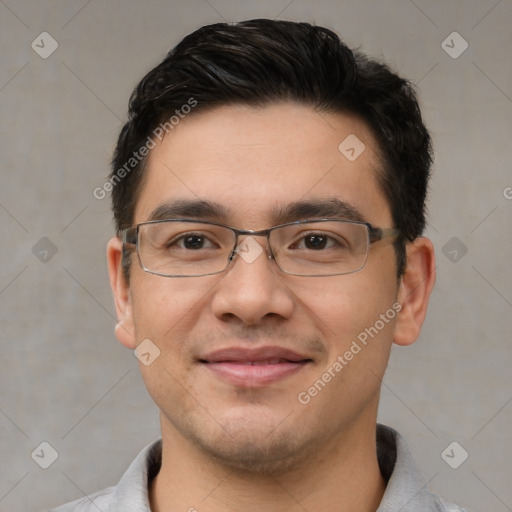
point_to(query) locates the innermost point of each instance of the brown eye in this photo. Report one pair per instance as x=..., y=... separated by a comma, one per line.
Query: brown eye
x=315, y=242
x=192, y=242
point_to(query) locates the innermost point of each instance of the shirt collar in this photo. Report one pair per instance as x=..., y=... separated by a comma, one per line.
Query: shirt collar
x=131, y=493
x=406, y=489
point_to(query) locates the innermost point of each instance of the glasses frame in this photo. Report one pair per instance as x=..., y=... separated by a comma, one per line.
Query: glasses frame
x=130, y=239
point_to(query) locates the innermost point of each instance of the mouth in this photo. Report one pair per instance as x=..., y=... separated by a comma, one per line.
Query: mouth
x=253, y=368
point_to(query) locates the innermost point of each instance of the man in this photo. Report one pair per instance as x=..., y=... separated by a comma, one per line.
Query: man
x=269, y=191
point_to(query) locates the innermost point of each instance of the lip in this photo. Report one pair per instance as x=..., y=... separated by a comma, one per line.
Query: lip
x=254, y=367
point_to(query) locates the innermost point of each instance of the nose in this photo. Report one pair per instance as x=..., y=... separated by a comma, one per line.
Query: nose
x=253, y=290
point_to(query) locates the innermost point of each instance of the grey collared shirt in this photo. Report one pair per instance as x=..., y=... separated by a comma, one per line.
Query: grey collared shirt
x=406, y=490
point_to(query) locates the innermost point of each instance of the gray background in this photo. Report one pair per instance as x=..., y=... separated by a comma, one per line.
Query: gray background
x=64, y=378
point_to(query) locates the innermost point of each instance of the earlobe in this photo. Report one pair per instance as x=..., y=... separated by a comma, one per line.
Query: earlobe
x=124, y=329
x=416, y=285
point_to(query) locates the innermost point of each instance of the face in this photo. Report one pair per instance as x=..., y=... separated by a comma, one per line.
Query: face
x=296, y=330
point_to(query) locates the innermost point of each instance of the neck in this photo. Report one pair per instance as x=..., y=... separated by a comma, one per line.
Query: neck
x=343, y=476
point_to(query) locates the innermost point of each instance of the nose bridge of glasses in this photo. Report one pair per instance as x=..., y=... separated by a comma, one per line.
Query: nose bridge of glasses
x=248, y=247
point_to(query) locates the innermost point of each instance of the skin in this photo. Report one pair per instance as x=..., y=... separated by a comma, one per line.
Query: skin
x=259, y=449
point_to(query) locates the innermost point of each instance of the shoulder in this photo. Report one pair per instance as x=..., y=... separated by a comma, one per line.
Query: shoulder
x=130, y=493
x=444, y=506
x=97, y=501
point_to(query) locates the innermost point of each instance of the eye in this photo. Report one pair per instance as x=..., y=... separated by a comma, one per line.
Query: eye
x=192, y=241
x=316, y=242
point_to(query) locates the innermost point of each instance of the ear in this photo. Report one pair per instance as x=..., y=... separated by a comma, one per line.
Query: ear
x=416, y=284
x=125, y=332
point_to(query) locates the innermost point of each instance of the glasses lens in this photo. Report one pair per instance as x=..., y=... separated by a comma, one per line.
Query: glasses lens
x=320, y=248
x=176, y=248
x=184, y=248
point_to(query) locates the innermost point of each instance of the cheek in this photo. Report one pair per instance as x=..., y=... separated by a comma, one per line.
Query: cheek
x=350, y=304
x=356, y=318
x=164, y=311
x=162, y=305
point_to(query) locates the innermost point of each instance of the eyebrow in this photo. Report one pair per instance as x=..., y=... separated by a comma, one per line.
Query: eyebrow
x=298, y=210
x=317, y=208
x=194, y=209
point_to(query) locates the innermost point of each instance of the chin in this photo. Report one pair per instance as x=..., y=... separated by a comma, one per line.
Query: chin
x=257, y=447
x=268, y=456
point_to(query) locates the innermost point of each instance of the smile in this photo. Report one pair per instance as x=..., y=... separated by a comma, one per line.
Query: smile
x=256, y=367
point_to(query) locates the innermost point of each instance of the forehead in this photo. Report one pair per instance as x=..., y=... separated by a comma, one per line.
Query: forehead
x=256, y=161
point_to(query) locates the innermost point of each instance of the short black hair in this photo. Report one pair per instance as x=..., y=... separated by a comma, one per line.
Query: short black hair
x=263, y=61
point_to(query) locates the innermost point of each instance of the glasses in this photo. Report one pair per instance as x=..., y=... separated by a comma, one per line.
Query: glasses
x=190, y=248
